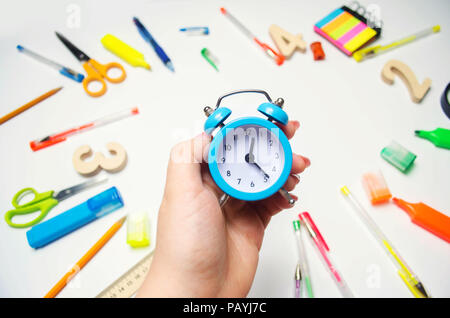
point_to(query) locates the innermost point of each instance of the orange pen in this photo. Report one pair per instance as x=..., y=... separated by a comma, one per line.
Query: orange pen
x=85, y=259
x=276, y=56
x=427, y=218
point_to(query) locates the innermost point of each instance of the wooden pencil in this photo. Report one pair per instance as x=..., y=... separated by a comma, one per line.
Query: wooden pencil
x=28, y=105
x=85, y=259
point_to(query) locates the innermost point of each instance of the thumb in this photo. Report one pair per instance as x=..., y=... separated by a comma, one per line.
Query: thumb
x=186, y=158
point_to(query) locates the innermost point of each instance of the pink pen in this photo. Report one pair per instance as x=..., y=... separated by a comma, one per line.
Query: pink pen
x=323, y=249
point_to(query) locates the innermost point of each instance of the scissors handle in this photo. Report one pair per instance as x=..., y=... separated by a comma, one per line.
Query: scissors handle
x=42, y=201
x=96, y=72
x=93, y=76
x=103, y=69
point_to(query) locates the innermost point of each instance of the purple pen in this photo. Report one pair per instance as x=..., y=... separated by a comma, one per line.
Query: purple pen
x=298, y=278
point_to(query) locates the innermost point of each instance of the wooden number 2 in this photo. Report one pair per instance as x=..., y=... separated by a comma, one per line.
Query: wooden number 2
x=286, y=42
x=88, y=168
x=416, y=90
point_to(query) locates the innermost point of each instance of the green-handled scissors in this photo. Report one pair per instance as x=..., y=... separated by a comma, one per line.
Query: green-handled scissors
x=43, y=202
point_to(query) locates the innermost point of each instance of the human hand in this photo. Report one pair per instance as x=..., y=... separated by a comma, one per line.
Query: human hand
x=203, y=250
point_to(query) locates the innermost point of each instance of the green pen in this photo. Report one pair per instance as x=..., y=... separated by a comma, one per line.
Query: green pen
x=440, y=137
x=303, y=262
x=211, y=59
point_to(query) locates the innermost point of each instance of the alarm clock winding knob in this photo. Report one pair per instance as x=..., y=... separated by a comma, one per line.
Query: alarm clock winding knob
x=279, y=102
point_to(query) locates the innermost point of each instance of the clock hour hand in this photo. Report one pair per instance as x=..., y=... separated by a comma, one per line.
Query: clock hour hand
x=250, y=158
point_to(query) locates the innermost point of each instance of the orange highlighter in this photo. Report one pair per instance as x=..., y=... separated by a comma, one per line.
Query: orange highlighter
x=427, y=218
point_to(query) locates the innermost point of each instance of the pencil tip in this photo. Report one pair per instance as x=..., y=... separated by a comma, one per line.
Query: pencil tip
x=122, y=220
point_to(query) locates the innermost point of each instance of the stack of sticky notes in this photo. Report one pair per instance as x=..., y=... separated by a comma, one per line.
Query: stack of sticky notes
x=347, y=30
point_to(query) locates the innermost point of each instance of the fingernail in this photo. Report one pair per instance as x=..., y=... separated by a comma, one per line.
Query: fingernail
x=307, y=161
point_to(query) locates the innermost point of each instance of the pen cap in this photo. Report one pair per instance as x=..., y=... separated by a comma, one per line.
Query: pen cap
x=296, y=224
x=398, y=156
x=105, y=202
x=306, y=218
x=376, y=187
x=80, y=215
x=138, y=230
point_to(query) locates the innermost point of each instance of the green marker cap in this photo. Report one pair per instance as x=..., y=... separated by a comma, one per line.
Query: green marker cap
x=398, y=156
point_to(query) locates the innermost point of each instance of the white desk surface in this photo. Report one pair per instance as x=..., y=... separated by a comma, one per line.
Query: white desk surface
x=347, y=116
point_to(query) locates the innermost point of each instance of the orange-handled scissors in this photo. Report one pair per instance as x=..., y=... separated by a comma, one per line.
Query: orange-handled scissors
x=95, y=71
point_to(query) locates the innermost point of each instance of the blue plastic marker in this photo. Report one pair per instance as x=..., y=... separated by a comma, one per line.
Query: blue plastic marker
x=46, y=232
x=158, y=50
x=62, y=69
x=195, y=30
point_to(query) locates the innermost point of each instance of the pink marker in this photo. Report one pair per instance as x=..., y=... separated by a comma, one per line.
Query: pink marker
x=324, y=252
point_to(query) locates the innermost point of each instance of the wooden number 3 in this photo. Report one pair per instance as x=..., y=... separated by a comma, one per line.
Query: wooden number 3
x=286, y=42
x=112, y=164
x=416, y=90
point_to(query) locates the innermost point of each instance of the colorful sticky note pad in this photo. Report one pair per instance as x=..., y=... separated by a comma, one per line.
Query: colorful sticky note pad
x=346, y=29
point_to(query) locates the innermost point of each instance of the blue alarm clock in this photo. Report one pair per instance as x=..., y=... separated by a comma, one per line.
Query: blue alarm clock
x=250, y=158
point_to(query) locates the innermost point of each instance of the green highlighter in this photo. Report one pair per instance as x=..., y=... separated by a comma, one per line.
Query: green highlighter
x=398, y=156
x=440, y=137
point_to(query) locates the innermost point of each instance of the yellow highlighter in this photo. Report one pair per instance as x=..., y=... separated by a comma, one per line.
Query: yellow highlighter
x=375, y=50
x=124, y=51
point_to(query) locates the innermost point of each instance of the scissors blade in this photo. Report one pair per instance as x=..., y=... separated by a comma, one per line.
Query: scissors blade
x=80, y=55
x=66, y=193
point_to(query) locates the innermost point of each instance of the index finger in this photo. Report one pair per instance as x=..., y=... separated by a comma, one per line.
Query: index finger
x=289, y=129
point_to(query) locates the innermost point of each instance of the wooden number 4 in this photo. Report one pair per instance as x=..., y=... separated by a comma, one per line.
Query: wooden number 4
x=286, y=42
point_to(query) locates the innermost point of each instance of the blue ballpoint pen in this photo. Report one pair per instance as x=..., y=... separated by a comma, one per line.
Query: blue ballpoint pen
x=148, y=37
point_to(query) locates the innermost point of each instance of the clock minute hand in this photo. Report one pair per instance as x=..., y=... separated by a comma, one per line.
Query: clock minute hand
x=250, y=151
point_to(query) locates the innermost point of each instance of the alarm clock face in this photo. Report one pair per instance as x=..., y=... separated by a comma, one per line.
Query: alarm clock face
x=250, y=159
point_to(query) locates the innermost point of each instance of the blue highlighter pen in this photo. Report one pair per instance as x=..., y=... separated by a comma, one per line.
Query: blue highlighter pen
x=46, y=232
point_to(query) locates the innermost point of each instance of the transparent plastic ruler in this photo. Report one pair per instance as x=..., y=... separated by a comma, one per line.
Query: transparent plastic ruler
x=128, y=284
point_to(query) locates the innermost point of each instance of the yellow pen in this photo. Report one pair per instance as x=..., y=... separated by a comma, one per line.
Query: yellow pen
x=406, y=274
x=378, y=49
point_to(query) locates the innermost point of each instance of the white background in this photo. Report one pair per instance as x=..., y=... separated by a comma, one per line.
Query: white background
x=347, y=116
